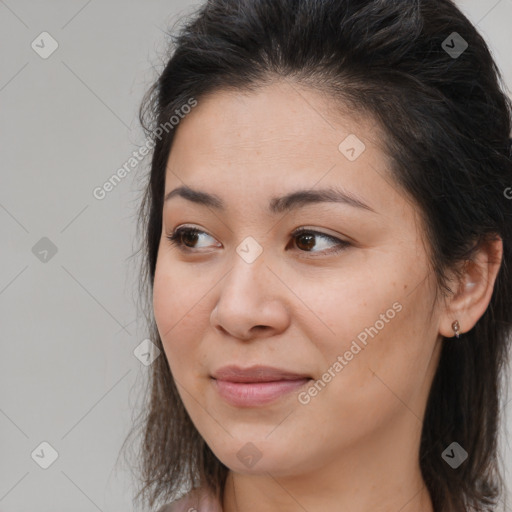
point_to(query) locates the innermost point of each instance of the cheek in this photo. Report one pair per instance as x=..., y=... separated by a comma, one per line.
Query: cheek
x=175, y=305
x=376, y=323
x=177, y=295
x=346, y=306
x=165, y=305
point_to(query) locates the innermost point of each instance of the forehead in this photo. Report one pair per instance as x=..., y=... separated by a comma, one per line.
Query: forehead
x=276, y=139
x=277, y=119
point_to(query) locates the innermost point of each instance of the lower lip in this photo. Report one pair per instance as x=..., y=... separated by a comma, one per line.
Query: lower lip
x=249, y=394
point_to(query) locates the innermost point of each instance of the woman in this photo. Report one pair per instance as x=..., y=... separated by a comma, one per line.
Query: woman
x=327, y=250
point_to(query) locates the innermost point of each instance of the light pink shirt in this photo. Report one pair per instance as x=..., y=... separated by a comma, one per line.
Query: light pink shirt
x=198, y=500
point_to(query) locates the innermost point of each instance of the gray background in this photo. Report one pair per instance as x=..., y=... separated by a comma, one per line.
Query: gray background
x=69, y=327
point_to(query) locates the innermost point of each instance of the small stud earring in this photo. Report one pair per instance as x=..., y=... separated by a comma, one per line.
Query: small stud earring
x=456, y=328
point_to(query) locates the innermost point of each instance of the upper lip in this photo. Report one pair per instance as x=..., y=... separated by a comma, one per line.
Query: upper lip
x=256, y=373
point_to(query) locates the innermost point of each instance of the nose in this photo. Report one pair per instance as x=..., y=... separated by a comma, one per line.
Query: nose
x=251, y=302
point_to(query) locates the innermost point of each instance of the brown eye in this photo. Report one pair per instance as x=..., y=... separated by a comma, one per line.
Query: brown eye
x=189, y=237
x=306, y=241
x=186, y=238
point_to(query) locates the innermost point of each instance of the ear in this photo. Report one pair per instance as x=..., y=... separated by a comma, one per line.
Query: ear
x=472, y=292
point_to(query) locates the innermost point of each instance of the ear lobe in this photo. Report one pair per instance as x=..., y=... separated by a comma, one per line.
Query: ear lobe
x=473, y=291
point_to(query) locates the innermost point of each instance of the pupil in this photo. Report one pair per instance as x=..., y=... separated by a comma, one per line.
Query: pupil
x=311, y=240
x=190, y=235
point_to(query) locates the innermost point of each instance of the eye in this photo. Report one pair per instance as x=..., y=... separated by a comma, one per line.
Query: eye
x=305, y=240
x=186, y=238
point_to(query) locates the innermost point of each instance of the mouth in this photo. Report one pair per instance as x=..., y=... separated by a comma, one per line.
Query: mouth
x=257, y=385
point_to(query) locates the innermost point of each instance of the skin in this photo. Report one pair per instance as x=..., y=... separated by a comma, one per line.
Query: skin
x=354, y=446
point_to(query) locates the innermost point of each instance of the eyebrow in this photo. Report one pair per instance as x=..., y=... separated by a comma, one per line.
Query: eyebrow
x=277, y=205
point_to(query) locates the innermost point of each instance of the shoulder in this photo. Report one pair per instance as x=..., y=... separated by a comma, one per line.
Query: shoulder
x=197, y=500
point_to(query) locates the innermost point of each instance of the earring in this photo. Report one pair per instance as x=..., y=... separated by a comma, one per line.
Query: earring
x=456, y=328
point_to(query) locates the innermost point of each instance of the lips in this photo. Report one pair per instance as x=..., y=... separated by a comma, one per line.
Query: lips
x=257, y=373
x=256, y=386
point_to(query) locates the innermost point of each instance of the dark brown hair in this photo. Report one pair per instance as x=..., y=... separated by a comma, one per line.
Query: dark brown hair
x=447, y=124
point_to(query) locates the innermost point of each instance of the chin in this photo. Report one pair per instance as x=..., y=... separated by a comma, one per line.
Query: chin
x=258, y=457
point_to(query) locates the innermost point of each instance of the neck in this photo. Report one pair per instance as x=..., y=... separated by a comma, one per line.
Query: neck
x=270, y=494
x=379, y=475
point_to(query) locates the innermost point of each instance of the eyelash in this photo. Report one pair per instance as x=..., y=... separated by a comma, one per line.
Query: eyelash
x=175, y=237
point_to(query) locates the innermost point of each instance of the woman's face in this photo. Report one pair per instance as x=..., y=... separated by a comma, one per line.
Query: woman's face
x=348, y=303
